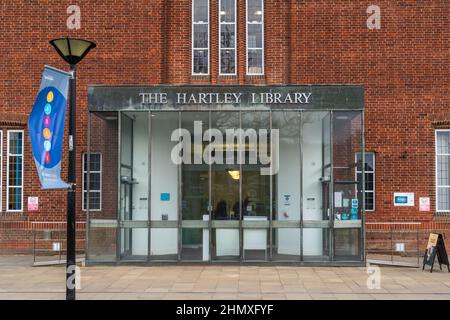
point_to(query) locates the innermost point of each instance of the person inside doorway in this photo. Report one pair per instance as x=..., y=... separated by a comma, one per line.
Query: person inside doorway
x=221, y=210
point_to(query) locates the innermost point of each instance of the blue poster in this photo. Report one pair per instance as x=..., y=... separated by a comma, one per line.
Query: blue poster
x=46, y=127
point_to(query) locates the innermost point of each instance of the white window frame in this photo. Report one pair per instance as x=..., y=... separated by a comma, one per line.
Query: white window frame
x=365, y=171
x=8, y=155
x=1, y=169
x=247, y=23
x=193, y=23
x=235, y=40
x=436, y=166
x=85, y=154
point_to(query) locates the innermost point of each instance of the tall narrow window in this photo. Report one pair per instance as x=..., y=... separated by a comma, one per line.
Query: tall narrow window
x=255, y=37
x=369, y=178
x=95, y=181
x=1, y=170
x=443, y=170
x=200, y=37
x=14, y=180
x=227, y=44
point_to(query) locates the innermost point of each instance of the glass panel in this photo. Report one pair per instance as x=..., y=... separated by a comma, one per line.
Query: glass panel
x=316, y=184
x=134, y=243
x=15, y=171
x=347, y=244
x=443, y=170
x=165, y=183
x=227, y=61
x=347, y=141
x=254, y=10
x=443, y=142
x=195, y=188
x=255, y=61
x=102, y=237
x=443, y=198
x=134, y=183
x=225, y=186
x=15, y=143
x=227, y=36
x=94, y=200
x=201, y=61
x=286, y=187
x=254, y=36
x=316, y=244
x=201, y=10
x=15, y=198
x=227, y=8
x=256, y=197
x=200, y=36
x=193, y=244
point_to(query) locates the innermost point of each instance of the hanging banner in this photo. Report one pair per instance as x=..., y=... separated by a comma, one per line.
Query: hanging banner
x=46, y=127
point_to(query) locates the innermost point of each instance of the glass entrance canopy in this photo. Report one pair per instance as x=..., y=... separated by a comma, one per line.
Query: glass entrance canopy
x=246, y=176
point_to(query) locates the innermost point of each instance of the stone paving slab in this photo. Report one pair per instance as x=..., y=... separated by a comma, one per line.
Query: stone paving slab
x=19, y=280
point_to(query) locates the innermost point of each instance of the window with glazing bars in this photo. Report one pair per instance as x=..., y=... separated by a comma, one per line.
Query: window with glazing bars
x=14, y=180
x=443, y=170
x=227, y=43
x=1, y=170
x=95, y=181
x=255, y=37
x=200, y=37
x=369, y=167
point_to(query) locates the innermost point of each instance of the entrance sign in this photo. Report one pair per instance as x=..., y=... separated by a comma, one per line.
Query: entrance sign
x=232, y=97
x=46, y=127
x=404, y=199
x=435, y=247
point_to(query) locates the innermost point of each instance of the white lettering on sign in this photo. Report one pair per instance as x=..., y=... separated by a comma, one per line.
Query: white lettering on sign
x=227, y=98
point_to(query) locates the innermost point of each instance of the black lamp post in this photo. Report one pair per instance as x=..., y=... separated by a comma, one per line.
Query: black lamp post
x=72, y=51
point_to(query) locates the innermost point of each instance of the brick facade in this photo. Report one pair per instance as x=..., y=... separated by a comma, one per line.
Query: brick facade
x=404, y=67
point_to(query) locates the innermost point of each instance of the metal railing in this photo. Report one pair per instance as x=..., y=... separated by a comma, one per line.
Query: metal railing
x=49, y=242
x=394, y=243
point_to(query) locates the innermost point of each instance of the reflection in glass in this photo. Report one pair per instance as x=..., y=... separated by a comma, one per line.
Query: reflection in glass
x=227, y=61
x=225, y=195
x=254, y=10
x=200, y=10
x=164, y=190
x=201, y=61
x=316, y=183
x=255, y=61
x=286, y=186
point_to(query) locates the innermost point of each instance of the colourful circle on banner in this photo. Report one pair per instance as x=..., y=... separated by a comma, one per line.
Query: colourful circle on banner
x=47, y=157
x=46, y=121
x=48, y=109
x=47, y=145
x=50, y=96
x=47, y=133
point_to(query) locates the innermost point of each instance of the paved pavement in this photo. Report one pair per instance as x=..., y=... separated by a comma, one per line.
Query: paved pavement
x=19, y=280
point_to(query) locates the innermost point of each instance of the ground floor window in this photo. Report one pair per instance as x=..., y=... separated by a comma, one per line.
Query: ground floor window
x=443, y=170
x=14, y=180
x=1, y=170
x=369, y=167
x=95, y=180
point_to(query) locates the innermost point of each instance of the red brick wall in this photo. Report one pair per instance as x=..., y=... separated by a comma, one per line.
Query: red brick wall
x=404, y=67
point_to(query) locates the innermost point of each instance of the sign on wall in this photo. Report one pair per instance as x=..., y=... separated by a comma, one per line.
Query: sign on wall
x=424, y=204
x=33, y=203
x=404, y=199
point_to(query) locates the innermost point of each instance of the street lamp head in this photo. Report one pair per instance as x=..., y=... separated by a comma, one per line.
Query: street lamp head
x=72, y=50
